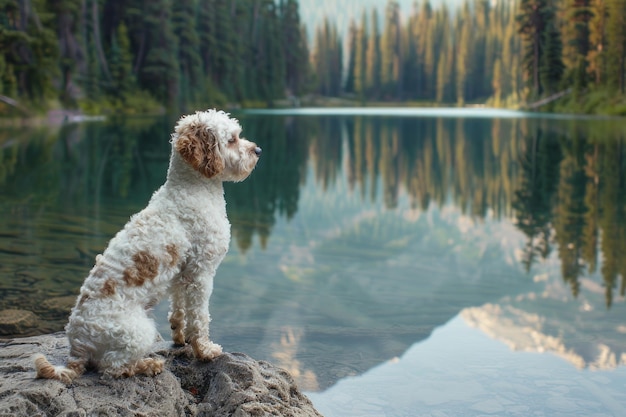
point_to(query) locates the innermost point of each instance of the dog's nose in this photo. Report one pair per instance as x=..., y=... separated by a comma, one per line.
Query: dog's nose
x=258, y=151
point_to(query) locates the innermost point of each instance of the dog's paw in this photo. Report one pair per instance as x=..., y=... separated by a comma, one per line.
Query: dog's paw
x=177, y=324
x=153, y=366
x=206, y=350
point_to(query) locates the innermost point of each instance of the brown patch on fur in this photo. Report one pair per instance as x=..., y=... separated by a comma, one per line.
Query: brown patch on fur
x=108, y=289
x=198, y=146
x=145, y=269
x=77, y=367
x=44, y=368
x=172, y=250
x=47, y=371
x=205, y=350
x=146, y=366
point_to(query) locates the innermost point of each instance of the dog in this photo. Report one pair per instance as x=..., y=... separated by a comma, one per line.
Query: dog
x=172, y=247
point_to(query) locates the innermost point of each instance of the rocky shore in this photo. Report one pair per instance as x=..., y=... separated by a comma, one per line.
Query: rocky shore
x=233, y=384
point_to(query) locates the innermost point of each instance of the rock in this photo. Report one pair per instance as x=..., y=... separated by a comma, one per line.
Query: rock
x=233, y=384
x=60, y=305
x=14, y=321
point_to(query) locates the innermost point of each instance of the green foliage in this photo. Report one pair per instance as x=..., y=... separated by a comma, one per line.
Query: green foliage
x=102, y=55
x=616, y=44
x=328, y=61
x=185, y=54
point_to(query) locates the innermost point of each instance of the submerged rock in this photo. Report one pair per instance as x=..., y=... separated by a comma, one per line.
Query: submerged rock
x=233, y=384
x=15, y=321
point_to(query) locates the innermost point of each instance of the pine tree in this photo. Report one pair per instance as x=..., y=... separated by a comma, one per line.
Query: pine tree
x=350, y=76
x=576, y=38
x=535, y=18
x=295, y=48
x=596, y=57
x=464, y=52
x=123, y=79
x=391, y=51
x=551, y=66
x=373, y=60
x=189, y=60
x=360, y=66
x=616, y=43
x=71, y=56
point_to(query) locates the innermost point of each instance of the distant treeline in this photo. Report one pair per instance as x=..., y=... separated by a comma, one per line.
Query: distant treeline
x=164, y=53
x=136, y=55
x=503, y=51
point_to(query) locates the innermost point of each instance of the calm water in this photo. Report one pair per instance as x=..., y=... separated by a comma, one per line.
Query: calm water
x=442, y=263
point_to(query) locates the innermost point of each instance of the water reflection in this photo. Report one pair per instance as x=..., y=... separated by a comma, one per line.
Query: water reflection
x=459, y=371
x=355, y=237
x=550, y=177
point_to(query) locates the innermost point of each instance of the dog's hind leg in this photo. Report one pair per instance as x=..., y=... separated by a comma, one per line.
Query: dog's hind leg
x=126, y=345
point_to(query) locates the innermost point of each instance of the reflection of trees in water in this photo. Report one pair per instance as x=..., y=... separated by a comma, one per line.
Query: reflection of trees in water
x=570, y=222
x=432, y=160
x=533, y=201
x=83, y=163
x=274, y=188
x=572, y=184
x=612, y=218
x=563, y=187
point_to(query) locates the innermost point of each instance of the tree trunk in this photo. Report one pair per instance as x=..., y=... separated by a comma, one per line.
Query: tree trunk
x=97, y=41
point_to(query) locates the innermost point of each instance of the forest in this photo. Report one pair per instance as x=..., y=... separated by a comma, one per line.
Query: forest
x=104, y=56
x=143, y=56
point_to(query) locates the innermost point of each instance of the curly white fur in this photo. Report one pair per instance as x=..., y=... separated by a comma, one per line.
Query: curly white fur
x=173, y=246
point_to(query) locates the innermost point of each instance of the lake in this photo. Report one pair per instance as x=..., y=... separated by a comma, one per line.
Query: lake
x=425, y=262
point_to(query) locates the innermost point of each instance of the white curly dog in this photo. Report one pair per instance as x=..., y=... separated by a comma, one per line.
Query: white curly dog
x=173, y=246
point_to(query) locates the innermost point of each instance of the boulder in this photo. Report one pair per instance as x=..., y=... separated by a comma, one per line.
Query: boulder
x=233, y=384
x=15, y=321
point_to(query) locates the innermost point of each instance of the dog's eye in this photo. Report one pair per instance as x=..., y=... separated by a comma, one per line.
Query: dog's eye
x=233, y=139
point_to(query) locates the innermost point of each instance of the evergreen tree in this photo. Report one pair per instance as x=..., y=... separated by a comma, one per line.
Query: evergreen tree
x=576, y=37
x=596, y=57
x=464, y=51
x=189, y=60
x=350, y=76
x=391, y=51
x=616, y=43
x=123, y=81
x=70, y=54
x=295, y=48
x=270, y=54
x=537, y=25
x=373, y=58
x=360, y=65
x=551, y=67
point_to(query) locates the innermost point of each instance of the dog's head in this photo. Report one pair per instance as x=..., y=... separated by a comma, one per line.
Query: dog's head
x=209, y=141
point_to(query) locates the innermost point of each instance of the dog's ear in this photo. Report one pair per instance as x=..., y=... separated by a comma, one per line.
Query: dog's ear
x=199, y=147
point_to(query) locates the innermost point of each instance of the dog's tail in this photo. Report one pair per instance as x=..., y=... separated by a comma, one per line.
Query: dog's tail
x=65, y=374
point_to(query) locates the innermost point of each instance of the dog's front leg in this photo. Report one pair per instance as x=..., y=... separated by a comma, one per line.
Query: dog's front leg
x=177, y=313
x=197, y=318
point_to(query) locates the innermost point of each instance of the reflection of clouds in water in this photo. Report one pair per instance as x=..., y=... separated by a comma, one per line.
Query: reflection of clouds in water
x=548, y=321
x=284, y=352
x=460, y=371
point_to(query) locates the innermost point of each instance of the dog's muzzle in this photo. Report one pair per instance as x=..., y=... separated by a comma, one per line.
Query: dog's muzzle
x=257, y=151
